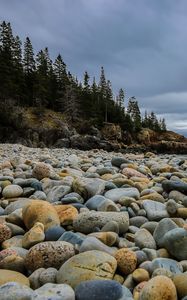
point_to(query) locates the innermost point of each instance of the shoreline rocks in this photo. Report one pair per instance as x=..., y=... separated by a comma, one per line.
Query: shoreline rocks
x=92, y=224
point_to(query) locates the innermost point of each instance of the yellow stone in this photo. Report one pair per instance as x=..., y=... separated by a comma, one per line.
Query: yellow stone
x=9, y=276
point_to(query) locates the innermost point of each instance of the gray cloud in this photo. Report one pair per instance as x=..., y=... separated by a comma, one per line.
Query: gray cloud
x=141, y=43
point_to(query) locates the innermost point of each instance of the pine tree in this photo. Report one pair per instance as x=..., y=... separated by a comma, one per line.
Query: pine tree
x=163, y=125
x=6, y=61
x=121, y=98
x=71, y=104
x=134, y=112
x=18, y=78
x=86, y=81
x=29, y=69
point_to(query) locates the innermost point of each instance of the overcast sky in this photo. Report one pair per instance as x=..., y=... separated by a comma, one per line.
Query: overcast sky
x=142, y=45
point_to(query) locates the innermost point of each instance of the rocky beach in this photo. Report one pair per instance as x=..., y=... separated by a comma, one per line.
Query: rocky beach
x=79, y=225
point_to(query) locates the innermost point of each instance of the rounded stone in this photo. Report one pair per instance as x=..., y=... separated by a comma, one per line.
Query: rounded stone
x=54, y=292
x=48, y=254
x=8, y=275
x=89, y=265
x=126, y=260
x=40, y=211
x=175, y=241
x=180, y=282
x=86, y=221
x=13, y=262
x=34, y=236
x=34, y=278
x=41, y=170
x=15, y=291
x=144, y=239
x=12, y=191
x=54, y=233
x=116, y=194
x=5, y=232
x=99, y=289
x=157, y=288
x=66, y=213
x=140, y=275
x=48, y=276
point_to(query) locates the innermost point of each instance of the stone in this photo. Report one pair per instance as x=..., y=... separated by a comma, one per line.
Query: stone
x=88, y=187
x=54, y=233
x=167, y=264
x=15, y=241
x=66, y=213
x=72, y=237
x=12, y=261
x=169, y=185
x=34, y=236
x=111, y=226
x=57, y=193
x=126, y=260
x=90, y=265
x=129, y=172
x=15, y=291
x=99, y=289
x=40, y=211
x=15, y=229
x=41, y=170
x=162, y=228
x=138, y=221
x=116, y=194
x=117, y=161
x=157, y=288
x=92, y=243
x=8, y=275
x=144, y=239
x=48, y=276
x=54, y=292
x=140, y=275
x=175, y=241
x=34, y=278
x=155, y=210
x=86, y=221
x=12, y=191
x=180, y=281
x=108, y=238
x=48, y=254
x=5, y=232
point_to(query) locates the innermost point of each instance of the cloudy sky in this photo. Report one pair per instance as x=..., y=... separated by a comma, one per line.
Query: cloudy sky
x=142, y=45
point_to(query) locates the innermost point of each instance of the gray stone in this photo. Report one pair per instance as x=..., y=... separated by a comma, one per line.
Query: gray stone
x=92, y=243
x=71, y=237
x=162, y=228
x=175, y=241
x=138, y=221
x=144, y=239
x=12, y=191
x=155, y=210
x=166, y=263
x=15, y=291
x=88, y=187
x=117, y=161
x=54, y=292
x=86, y=221
x=100, y=290
x=169, y=185
x=57, y=192
x=116, y=194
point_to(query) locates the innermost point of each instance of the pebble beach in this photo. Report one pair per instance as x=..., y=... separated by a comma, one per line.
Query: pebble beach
x=92, y=225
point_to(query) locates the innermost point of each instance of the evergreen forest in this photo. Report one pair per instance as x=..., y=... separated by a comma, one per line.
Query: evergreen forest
x=35, y=80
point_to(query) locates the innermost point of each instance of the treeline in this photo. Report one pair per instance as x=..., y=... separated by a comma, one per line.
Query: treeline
x=37, y=81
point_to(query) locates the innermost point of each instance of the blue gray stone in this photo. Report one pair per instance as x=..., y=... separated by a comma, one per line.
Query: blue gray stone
x=54, y=233
x=162, y=228
x=168, y=264
x=116, y=194
x=175, y=241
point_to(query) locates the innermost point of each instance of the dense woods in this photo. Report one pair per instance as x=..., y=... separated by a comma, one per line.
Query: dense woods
x=34, y=80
